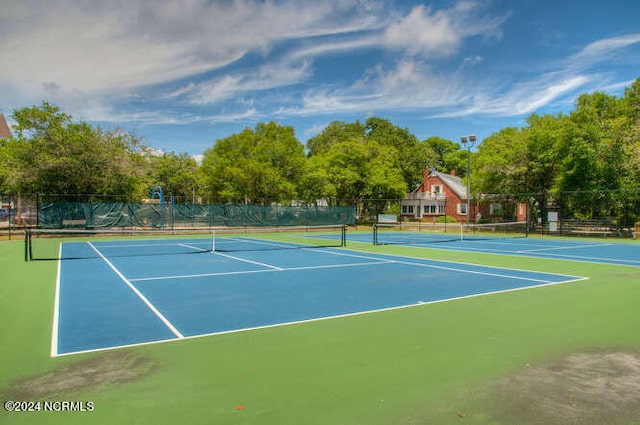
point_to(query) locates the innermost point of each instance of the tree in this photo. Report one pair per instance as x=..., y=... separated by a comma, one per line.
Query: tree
x=355, y=170
x=52, y=154
x=447, y=156
x=335, y=132
x=176, y=173
x=383, y=177
x=258, y=166
x=415, y=155
x=316, y=182
x=5, y=169
x=501, y=165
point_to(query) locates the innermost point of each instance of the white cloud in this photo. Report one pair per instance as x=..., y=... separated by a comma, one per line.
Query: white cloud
x=249, y=114
x=409, y=85
x=72, y=50
x=198, y=158
x=440, y=33
x=525, y=97
x=231, y=86
x=567, y=77
x=320, y=48
x=422, y=32
x=315, y=129
x=225, y=58
x=472, y=60
x=601, y=49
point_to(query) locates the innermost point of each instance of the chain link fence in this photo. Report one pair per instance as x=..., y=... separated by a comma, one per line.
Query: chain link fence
x=585, y=213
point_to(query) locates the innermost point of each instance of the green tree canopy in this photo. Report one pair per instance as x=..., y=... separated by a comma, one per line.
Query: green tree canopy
x=176, y=173
x=53, y=154
x=413, y=155
x=258, y=166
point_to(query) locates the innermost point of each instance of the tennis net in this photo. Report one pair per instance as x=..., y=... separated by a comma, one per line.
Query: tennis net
x=424, y=234
x=50, y=244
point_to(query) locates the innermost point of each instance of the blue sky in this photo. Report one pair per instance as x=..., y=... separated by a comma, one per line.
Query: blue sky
x=182, y=74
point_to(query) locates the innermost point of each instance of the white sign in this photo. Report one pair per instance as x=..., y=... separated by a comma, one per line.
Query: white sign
x=387, y=218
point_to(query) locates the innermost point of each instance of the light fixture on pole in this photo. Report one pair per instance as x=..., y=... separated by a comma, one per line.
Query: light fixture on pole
x=468, y=142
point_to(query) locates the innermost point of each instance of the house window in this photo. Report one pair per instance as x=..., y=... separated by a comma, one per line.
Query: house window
x=442, y=210
x=407, y=209
x=495, y=209
x=462, y=209
x=431, y=209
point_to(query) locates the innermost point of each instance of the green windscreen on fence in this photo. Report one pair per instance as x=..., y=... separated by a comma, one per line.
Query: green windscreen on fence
x=61, y=215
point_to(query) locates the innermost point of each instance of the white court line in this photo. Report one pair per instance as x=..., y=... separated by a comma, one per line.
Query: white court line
x=375, y=261
x=244, y=260
x=275, y=325
x=460, y=269
x=557, y=257
x=241, y=272
x=598, y=260
x=143, y=244
x=560, y=248
x=237, y=258
x=318, y=319
x=475, y=272
x=56, y=308
x=258, y=242
x=195, y=248
x=144, y=299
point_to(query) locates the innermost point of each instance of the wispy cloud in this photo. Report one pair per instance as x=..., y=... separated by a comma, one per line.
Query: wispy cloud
x=599, y=50
x=231, y=86
x=439, y=33
x=315, y=129
x=519, y=99
x=567, y=77
x=422, y=36
x=408, y=85
x=102, y=49
x=203, y=61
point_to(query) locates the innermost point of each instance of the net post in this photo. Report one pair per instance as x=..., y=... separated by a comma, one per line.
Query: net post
x=213, y=241
x=375, y=234
x=27, y=239
x=344, y=236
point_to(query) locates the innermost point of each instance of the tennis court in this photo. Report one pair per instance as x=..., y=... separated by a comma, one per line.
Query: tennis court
x=492, y=240
x=112, y=299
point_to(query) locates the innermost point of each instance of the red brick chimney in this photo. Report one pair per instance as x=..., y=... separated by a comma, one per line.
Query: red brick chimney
x=453, y=173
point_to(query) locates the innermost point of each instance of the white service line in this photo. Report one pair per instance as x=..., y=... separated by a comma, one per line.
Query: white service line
x=240, y=272
x=560, y=248
x=595, y=260
x=269, y=266
x=244, y=260
x=259, y=242
x=144, y=299
x=410, y=263
x=195, y=248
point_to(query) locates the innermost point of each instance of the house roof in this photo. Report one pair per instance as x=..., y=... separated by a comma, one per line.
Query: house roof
x=453, y=182
x=5, y=131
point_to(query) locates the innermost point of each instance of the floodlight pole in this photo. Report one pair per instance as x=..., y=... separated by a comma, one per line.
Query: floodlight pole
x=468, y=142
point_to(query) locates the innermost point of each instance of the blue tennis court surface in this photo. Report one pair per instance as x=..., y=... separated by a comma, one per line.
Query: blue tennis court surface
x=112, y=301
x=605, y=252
